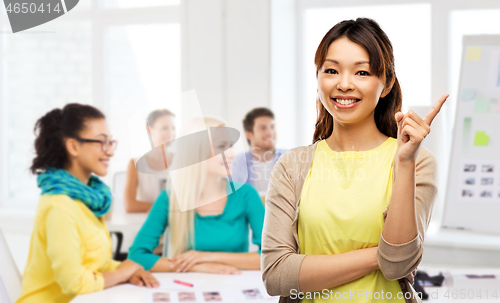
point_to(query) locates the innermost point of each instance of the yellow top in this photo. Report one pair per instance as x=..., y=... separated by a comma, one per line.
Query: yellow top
x=69, y=249
x=340, y=210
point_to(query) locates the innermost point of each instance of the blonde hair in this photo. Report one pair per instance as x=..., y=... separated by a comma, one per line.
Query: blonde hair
x=192, y=178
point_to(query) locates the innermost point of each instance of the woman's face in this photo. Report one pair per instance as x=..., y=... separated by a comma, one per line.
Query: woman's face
x=221, y=144
x=90, y=155
x=346, y=86
x=163, y=130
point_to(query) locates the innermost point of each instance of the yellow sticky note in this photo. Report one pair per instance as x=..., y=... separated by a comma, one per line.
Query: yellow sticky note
x=474, y=53
x=481, y=139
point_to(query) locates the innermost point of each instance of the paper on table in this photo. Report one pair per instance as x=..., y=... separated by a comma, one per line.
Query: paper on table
x=245, y=279
x=192, y=296
x=483, y=282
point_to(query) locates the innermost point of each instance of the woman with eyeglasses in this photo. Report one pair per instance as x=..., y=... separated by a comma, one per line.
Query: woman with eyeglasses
x=70, y=250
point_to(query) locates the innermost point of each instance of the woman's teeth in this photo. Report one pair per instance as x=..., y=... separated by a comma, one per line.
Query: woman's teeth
x=346, y=102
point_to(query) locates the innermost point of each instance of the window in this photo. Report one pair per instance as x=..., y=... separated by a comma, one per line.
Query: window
x=141, y=71
x=101, y=53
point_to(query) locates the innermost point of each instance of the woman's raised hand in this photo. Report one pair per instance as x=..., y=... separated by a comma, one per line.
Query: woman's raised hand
x=412, y=129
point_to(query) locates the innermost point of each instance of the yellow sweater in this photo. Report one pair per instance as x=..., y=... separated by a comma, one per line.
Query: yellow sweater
x=70, y=248
x=339, y=211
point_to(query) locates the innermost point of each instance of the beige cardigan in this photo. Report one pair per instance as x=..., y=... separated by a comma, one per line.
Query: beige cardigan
x=281, y=258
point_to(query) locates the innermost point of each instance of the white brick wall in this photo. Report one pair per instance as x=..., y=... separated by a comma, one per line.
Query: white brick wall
x=43, y=71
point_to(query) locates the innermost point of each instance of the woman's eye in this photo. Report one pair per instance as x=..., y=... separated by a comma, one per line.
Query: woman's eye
x=363, y=73
x=330, y=71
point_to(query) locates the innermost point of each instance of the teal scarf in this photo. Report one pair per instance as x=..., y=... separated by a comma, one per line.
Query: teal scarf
x=96, y=195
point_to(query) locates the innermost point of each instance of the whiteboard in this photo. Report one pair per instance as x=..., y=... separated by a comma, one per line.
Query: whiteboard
x=473, y=190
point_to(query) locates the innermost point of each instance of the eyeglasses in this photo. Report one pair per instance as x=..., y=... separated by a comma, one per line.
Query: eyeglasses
x=105, y=144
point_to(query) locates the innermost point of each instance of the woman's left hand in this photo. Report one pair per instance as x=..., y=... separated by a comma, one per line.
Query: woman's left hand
x=144, y=278
x=412, y=129
x=185, y=261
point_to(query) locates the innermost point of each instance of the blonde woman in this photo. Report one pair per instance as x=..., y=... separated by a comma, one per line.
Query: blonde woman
x=209, y=237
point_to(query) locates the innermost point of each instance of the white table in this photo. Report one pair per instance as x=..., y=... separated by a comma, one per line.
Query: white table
x=231, y=284
x=469, y=293
x=249, y=279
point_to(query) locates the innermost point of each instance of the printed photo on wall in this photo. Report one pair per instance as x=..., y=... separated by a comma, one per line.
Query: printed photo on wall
x=488, y=168
x=486, y=194
x=469, y=168
x=470, y=181
x=467, y=193
x=486, y=181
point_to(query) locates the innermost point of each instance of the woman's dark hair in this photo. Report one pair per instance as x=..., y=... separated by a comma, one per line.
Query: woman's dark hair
x=151, y=119
x=368, y=34
x=53, y=128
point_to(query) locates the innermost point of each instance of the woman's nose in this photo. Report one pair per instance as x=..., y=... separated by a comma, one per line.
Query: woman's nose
x=110, y=152
x=345, y=83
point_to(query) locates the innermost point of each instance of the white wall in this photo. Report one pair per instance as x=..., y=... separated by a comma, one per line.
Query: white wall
x=228, y=56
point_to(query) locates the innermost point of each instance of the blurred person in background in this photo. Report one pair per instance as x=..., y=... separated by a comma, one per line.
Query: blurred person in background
x=145, y=181
x=259, y=161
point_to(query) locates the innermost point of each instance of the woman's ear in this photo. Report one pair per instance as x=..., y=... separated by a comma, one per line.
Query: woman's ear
x=72, y=147
x=387, y=88
x=147, y=129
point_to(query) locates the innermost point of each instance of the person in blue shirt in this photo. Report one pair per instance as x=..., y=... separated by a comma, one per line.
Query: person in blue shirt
x=254, y=167
x=208, y=216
